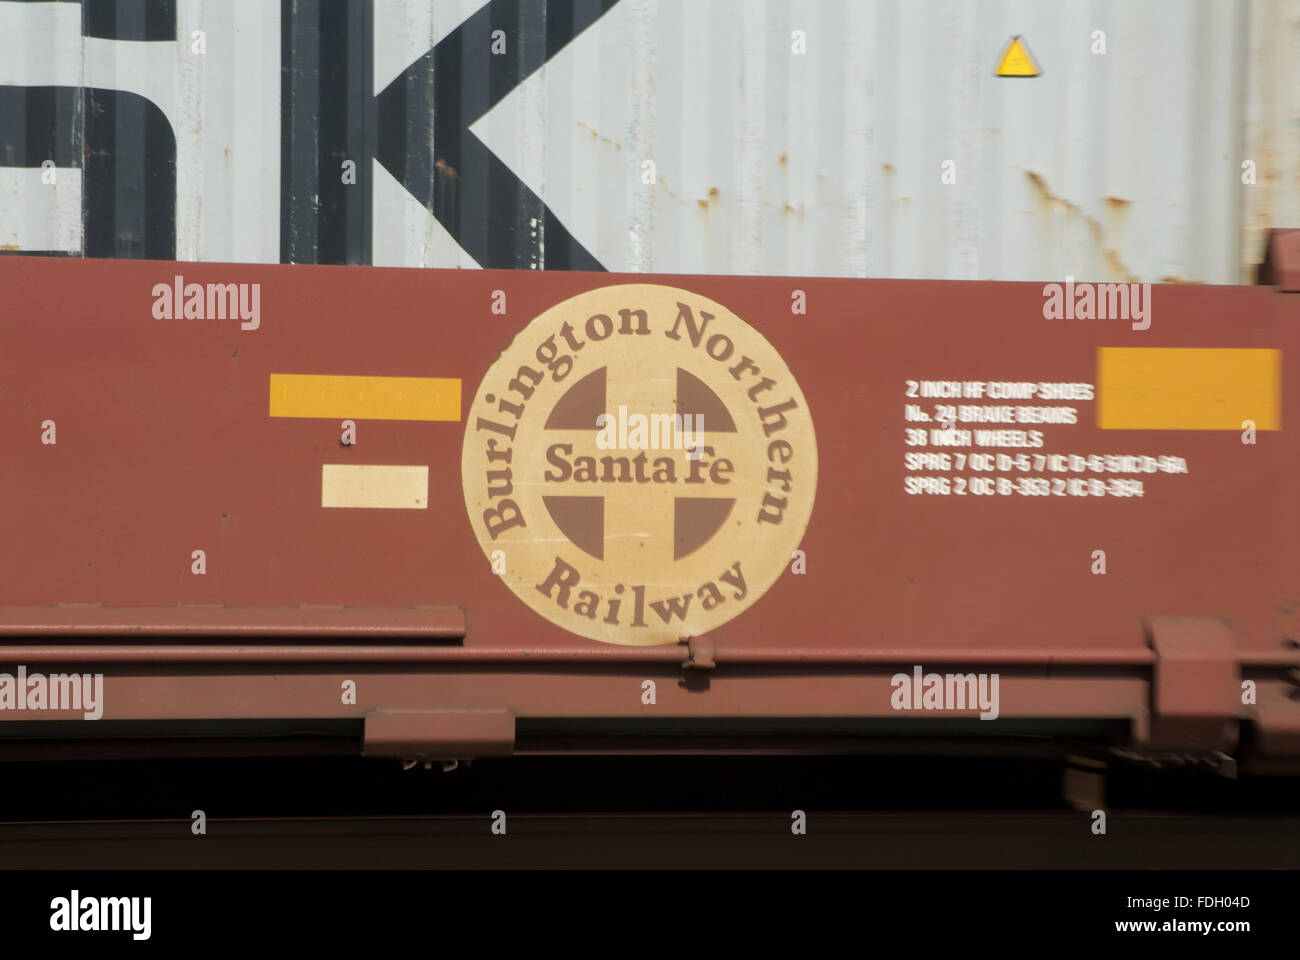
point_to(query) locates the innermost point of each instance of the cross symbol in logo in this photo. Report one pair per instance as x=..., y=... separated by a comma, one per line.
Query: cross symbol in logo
x=638, y=517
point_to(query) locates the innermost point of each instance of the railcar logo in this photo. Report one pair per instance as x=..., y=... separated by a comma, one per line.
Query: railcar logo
x=641, y=545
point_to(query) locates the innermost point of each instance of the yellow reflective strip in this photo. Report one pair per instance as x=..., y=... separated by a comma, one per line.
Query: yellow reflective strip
x=1176, y=388
x=365, y=398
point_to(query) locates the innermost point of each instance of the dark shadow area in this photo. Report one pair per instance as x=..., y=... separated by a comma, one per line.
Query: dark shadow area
x=357, y=787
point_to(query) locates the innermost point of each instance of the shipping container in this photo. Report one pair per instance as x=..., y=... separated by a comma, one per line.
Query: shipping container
x=1156, y=141
x=660, y=469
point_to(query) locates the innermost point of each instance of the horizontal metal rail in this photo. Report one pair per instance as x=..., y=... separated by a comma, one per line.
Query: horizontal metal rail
x=219, y=620
x=522, y=656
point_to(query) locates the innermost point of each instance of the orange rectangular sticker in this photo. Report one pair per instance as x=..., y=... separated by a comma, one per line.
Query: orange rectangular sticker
x=365, y=398
x=1175, y=388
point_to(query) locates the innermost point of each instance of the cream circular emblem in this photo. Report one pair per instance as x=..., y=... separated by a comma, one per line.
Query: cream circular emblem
x=639, y=464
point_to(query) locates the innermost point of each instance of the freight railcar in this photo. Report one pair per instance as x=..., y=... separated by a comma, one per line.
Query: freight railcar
x=439, y=515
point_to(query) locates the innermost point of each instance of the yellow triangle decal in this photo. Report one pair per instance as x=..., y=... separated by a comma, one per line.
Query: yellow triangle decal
x=1018, y=61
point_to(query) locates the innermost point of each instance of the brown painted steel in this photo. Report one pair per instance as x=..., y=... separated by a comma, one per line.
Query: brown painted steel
x=293, y=692
x=1197, y=684
x=731, y=655
x=165, y=446
x=439, y=733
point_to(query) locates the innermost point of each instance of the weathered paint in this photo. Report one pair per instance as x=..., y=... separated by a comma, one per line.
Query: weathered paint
x=165, y=445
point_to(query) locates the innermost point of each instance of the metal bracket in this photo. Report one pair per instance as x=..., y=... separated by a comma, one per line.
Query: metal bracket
x=1196, y=685
x=1277, y=713
x=439, y=734
x=1281, y=266
x=699, y=654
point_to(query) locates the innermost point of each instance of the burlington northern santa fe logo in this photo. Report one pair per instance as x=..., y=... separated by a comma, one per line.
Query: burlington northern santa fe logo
x=615, y=538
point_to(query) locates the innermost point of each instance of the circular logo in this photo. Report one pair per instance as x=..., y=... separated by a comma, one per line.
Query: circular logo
x=639, y=464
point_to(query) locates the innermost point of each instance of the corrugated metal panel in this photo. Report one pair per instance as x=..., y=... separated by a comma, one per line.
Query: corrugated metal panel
x=160, y=151
x=517, y=134
x=1272, y=125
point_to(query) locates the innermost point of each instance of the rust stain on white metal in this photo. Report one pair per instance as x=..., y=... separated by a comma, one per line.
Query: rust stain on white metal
x=1271, y=134
x=1105, y=243
x=595, y=136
